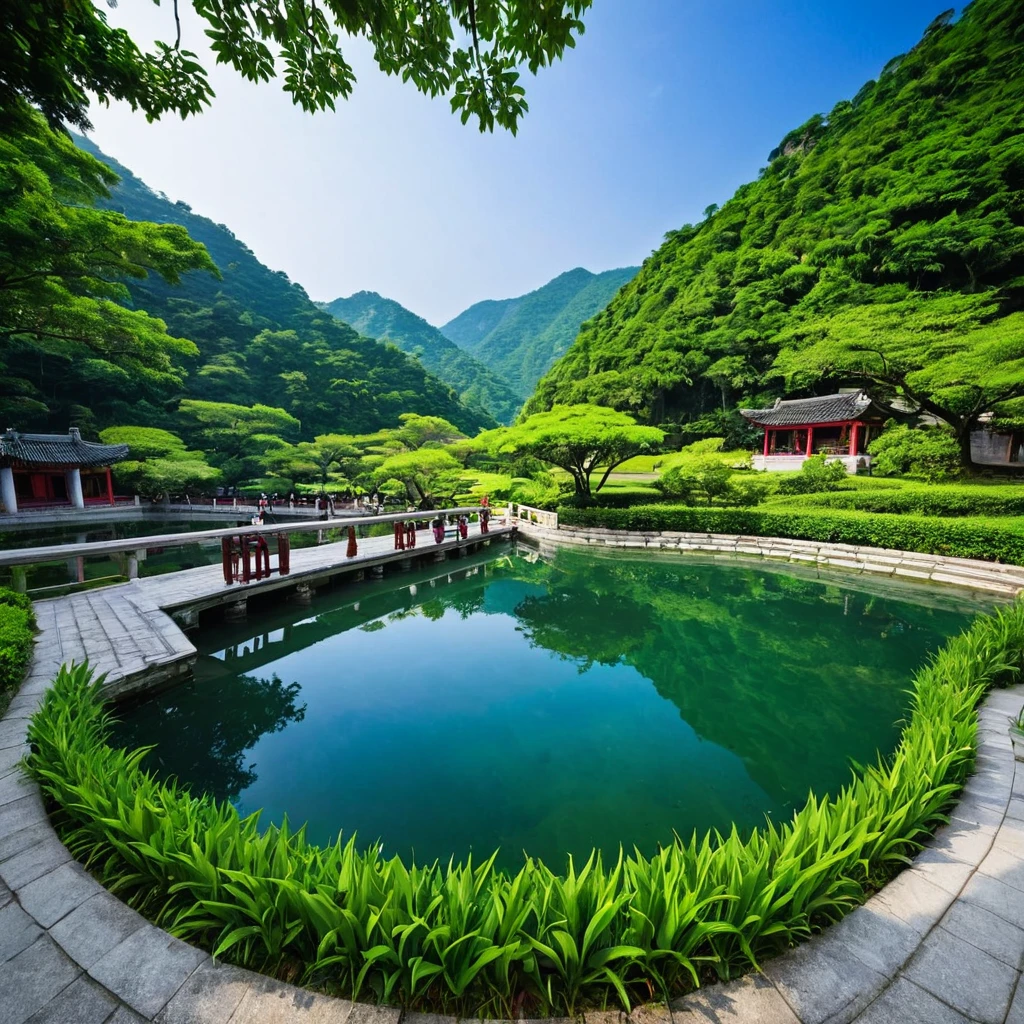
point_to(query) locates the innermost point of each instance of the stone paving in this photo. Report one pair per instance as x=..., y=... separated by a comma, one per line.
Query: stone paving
x=943, y=942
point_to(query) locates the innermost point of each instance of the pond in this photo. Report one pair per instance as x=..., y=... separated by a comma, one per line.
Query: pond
x=548, y=704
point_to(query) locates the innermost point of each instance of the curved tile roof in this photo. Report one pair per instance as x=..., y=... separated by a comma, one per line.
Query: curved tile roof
x=63, y=449
x=798, y=412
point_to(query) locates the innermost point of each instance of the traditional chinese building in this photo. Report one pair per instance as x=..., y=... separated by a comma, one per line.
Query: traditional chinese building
x=38, y=470
x=839, y=427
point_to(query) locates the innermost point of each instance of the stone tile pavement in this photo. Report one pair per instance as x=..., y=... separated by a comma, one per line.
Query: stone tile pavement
x=942, y=943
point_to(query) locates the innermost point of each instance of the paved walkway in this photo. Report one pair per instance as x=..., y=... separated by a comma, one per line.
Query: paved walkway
x=942, y=943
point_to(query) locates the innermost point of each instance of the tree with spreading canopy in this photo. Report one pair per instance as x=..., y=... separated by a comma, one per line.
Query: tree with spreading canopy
x=54, y=53
x=321, y=460
x=159, y=462
x=576, y=438
x=430, y=475
x=950, y=355
x=239, y=438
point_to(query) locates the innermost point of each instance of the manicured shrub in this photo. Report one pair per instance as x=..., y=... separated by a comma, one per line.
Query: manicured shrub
x=471, y=939
x=16, y=625
x=937, y=500
x=16, y=600
x=619, y=497
x=815, y=475
x=927, y=453
x=995, y=540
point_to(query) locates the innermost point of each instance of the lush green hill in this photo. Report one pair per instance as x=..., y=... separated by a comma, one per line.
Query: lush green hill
x=387, y=320
x=520, y=338
x=262, y=339
x=909, y=197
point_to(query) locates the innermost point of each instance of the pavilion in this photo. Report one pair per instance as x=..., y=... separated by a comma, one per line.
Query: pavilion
x=839, y=427
x=43, y=470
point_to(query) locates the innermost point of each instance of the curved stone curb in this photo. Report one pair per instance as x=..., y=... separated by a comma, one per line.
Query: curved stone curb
x=994, y=577
x=941, y=943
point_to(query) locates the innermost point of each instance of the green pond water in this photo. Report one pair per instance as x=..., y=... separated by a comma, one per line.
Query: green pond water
x=550, y=705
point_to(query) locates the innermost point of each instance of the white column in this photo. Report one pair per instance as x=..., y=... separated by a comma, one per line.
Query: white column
x=8, y=495
x=74, y=481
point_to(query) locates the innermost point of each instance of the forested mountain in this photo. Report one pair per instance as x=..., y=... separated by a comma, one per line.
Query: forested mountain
x=520, y=338
x=387, y=320
x=262, y=339
x=882, y=245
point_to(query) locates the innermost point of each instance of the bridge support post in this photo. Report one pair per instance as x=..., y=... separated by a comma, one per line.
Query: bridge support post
x=377, y=572
x=405, y=564
x=304, y=594
x=236, y=611
x=186, y=618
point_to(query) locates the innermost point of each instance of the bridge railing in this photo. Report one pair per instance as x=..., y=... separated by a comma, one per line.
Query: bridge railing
x=540, y=516
x=126, y=553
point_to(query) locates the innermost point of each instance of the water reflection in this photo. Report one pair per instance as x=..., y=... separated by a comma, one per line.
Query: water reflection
x=551, y=704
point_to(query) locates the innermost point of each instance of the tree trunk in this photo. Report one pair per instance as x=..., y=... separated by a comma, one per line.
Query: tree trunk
x=963, y=439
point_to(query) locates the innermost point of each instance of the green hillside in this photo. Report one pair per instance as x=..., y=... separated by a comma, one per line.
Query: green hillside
x=883, y=242
x=387, y=320
x=262, y=339
x=520, y=338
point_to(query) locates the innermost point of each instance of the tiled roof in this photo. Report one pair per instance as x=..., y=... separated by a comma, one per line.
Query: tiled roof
x=63, y=449
x=799, y=412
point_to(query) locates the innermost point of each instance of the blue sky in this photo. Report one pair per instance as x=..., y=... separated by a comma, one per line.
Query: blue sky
x=664, y=107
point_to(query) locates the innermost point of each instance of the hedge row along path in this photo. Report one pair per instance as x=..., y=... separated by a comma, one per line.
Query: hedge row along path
x=942, y=943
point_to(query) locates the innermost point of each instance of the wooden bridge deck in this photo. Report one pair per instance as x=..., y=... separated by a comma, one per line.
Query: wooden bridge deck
x=133, y=631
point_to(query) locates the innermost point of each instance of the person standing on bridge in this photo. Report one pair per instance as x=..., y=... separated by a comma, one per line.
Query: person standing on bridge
x=438, y=525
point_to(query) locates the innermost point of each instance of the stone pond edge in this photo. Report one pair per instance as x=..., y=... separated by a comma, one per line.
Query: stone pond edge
x=66, y=941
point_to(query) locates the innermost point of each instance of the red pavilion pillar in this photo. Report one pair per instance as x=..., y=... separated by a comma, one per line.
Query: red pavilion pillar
x=810, y=441
x=110, y=486
x=854, y=437
x=766, y=442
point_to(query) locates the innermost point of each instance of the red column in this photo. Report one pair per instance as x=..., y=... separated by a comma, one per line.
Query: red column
x=110, y=486
x=854, y=431
x=766, y=442
x=810, y=441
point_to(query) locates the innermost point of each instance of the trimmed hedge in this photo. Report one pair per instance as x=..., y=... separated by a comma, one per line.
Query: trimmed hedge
x=17, y=624
x=994, y=540
x=622, y=497
x=471, y=939
x=922, y=501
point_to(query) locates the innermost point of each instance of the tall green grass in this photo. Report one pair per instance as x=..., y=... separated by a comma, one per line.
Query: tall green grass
x=470, y=939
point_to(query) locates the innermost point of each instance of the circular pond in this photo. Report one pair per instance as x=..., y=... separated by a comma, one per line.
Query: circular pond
x=547, y=705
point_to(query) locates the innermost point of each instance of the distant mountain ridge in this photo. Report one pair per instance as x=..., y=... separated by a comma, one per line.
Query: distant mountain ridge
x=262, y=339
x=522, y=337
x=477, y=385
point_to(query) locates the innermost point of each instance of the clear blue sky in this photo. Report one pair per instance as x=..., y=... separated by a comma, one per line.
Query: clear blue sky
x=664, y=107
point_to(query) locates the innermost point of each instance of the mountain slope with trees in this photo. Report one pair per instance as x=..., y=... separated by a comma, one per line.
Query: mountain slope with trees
x=260, y=338
x=520, y=338
x=882, y=246
x=387, y=320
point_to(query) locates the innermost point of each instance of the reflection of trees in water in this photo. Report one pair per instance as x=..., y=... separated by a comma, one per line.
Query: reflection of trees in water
x=792, y=674
x=207, y=738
